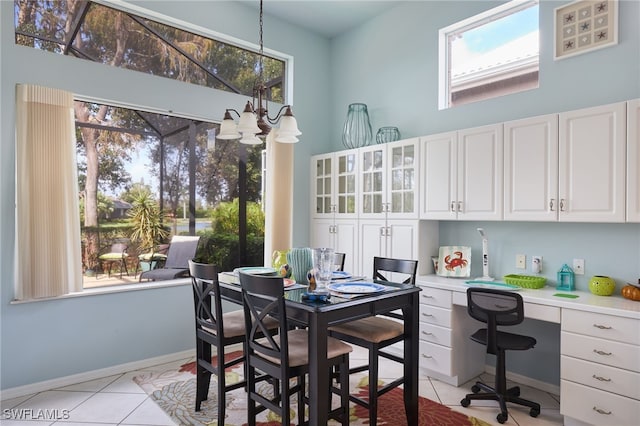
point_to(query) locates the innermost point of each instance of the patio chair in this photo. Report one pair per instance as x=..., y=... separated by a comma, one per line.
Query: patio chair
x=152, y=258
x=116, y=254
x=181, y=250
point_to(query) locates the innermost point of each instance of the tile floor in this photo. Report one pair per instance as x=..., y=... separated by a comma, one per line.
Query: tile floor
x=117, y=400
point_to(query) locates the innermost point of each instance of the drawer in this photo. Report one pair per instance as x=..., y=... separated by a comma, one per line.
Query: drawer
x=610, y=379
x=597, y=407
x=434, y=315
x=604, y=326
x=615, y=354
x=435, y=334
x=436, y=297
x=435, y=357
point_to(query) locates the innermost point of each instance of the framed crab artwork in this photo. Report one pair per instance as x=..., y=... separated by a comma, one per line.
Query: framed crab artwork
x=454, y=261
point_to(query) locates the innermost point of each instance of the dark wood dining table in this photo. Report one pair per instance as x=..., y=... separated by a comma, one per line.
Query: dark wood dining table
x=319, y=316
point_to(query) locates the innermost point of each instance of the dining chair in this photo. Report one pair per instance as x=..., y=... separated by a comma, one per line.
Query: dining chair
x=376, y=333
x=285, y=356
x=498, y=308
x=338, y=261
x=215, y=329
x=117, y=254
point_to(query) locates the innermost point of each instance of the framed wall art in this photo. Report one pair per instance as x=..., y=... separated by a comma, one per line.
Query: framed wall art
x=585, y=25
x=454, y=261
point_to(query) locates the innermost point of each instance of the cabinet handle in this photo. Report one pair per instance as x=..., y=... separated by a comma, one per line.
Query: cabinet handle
x=427, y=296
x=601, y=411
x=602, y=379
x=382, y=231
x=388, y=231
x=426, y=315
x=551, y=204
x=459, y=206
x=561, y=204
x=429, y=357
x=602, y=352
x=453, y=206
x=602, y=327
x=426, y=333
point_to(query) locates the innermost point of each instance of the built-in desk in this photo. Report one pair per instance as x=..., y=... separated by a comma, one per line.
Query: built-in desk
x=599, y=355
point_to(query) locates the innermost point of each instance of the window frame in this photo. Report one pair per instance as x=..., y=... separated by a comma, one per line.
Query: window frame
x=478, y=20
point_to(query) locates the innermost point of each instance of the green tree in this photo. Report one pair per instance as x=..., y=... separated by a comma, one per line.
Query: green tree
x=146, y=219
x=224, y=218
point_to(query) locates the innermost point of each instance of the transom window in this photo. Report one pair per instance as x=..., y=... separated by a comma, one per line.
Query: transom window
x=491, y=54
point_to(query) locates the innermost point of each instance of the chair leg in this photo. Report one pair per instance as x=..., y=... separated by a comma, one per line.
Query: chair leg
x=344, y=389
x=251, y=403
x=373, y=385
x=222, y=401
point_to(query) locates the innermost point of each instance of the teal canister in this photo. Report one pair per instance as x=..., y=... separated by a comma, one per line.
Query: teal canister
x=300, y=260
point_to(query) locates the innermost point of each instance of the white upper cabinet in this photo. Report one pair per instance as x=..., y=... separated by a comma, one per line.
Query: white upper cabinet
x=531, y=169
x=592, y=162
x=633, y=161
x=334, y=184
x=462, y=174
x=388, y=180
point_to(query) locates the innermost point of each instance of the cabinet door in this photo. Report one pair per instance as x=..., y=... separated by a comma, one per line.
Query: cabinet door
x=592, y=164
x=346, y=241
x=480, y=169
x=346, y=180
x=633, y=161
x=439, y=176
x=322, y=185
x=373, y=242
x=402, y=174
x=372, y=184
x=323, y=233
x=531, y=169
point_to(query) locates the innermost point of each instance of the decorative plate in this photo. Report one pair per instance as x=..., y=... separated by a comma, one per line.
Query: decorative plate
x=356, y=287
x=255, y=270
x=340, y=275
x=454, y=261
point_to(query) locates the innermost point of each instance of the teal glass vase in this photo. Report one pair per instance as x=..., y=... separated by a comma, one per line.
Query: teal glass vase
x=357, y=127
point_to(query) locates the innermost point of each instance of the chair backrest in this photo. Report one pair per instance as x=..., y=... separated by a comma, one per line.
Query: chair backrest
x=119, y=248
x=206, y=289
x=182, y=249
x=263, y=296
x=494, y=307
x=408, y=268
x=338, y=261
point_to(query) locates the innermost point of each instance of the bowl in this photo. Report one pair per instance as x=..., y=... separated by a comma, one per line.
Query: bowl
x=601, y=285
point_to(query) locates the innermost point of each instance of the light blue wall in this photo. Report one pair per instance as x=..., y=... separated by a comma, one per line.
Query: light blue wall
x=390, y=63
x=50, y=339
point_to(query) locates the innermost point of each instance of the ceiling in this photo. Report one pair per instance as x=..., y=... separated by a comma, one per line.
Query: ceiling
x=328, y=18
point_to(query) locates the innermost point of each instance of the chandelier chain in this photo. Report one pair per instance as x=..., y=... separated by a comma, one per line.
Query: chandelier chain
x=261, y=59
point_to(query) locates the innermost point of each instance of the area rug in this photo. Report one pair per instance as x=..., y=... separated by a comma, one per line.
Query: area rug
x=174, y=392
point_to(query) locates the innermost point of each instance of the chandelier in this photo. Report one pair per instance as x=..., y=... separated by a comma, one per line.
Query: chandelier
x=254, y=122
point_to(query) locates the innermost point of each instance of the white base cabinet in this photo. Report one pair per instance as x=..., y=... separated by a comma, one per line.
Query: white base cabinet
x=339, y=234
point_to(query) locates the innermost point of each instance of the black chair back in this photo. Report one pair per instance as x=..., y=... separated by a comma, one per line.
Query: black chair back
x=384, y=264
x=495, y=308
x=204, y=280
x=338, y=261
x=263, y=298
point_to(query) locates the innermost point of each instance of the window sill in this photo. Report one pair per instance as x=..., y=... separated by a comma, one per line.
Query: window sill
x=121, y=288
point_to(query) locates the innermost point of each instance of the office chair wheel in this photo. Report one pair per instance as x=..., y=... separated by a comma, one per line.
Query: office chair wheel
x=534, y=412
x=465, y=402
x=502, y=417
x=475, y=388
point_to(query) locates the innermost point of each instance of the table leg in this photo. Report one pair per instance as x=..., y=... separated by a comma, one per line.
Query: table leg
x=319, y=378
x=411, y=354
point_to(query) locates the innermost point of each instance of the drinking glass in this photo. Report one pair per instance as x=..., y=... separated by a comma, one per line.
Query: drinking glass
x=323, y=267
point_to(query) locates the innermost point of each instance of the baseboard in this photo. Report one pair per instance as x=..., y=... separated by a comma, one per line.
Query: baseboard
x=92, y=375
x=524, y=380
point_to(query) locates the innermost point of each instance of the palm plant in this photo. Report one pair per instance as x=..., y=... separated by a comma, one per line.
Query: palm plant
x=146, y=219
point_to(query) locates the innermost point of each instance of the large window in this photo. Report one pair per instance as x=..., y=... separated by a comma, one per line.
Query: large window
x=491, y=54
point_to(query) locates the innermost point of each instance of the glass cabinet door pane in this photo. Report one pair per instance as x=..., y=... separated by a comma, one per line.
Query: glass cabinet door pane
x=327, y=185
x=377, y=203
x=408, y=201
x=366, y=203
x=396, y=157
x=367, y=186
x=377, y=182
x=396, y=180
x=409, y=180
x=319, y=168
x=367, y=161
x=409, y=156
x=350, y=184
x=327, y=166
x=396, y=202
x=351, y=204
x=377, y=160
x=319, y=205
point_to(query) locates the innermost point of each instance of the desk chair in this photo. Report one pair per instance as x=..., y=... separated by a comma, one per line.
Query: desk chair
x=218, y=330
x=338, y=261
x=497, y=308
x=376, y=333
x=284, y=356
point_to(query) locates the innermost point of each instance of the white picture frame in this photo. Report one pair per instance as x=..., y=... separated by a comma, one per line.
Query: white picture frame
x=584, y=26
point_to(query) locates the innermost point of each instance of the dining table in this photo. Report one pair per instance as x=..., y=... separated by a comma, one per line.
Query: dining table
x=318, y=316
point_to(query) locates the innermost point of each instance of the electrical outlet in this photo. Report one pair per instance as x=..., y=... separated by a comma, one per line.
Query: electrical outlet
x=521, y=261
x=536, y=264
x=578, y=266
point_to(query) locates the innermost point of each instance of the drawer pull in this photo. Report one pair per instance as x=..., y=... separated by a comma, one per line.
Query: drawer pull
x=426, y=333
x=602, y=379
x=601, y=411
x=429, y=357
x=602, y=327
x=602, y=352
x=427, y=296
x=427, y=315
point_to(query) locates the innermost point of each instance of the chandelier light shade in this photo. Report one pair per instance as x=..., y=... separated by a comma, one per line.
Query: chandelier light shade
x=254, y=122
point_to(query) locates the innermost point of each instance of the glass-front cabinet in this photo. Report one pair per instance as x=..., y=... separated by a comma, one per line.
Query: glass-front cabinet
x=388, y=186
x=334, y=184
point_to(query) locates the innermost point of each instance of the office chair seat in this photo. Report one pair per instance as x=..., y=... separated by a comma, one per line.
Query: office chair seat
x=498, y=308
